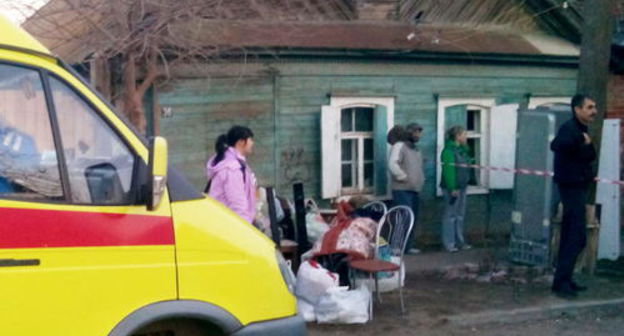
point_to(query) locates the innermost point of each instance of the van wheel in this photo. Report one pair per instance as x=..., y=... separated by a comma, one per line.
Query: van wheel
x=180, y=327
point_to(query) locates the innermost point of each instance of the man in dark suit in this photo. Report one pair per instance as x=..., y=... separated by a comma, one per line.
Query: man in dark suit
x=574, y=153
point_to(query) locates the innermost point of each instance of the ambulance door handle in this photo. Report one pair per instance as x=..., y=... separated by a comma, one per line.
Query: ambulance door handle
x=19, y=262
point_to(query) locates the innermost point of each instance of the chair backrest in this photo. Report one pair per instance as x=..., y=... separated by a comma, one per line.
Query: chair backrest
x=395, y=229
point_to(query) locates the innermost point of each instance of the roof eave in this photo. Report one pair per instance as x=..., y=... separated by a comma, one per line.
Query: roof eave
x=447, y=57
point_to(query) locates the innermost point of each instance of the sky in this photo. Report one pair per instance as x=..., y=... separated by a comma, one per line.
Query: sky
x=18, y=10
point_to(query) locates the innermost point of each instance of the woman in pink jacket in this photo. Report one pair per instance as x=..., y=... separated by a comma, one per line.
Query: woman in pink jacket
x=231, y=180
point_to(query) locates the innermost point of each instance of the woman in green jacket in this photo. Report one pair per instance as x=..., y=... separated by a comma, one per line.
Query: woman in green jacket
x=454, y=183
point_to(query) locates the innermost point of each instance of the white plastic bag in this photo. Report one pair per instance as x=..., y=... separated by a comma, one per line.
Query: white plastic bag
x=341, y=305
x=386, y=284
x=313, y=280
x=306, y=310
x=316, y=226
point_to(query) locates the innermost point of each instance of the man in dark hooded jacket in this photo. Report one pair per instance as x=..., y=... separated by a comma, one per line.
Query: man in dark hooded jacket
x=574, y=154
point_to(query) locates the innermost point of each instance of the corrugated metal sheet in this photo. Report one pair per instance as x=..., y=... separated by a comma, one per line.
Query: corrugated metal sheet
x=59, y=29
x=372, y=36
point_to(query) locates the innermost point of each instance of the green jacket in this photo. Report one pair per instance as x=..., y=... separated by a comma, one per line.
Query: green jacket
x=453, y=177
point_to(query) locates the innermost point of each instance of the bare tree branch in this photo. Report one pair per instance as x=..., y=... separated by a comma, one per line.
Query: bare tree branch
x=141, y=34
x=152, y=73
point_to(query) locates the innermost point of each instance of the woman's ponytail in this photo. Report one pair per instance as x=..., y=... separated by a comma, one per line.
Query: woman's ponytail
x=220, y=147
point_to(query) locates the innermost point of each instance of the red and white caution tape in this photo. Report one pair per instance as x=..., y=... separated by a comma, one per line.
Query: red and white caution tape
x=607, y=181
x=523, y=171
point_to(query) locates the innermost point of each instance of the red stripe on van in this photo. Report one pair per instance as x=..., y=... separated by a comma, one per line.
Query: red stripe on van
x=29, y=228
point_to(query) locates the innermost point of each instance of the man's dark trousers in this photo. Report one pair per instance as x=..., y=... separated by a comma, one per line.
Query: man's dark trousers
x=573, y=232
x=410, y=199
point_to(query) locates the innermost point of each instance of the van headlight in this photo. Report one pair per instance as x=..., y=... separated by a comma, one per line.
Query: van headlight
x=287, y=273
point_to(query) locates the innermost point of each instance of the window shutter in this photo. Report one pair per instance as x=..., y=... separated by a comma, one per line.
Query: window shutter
x=381, y=150
x=454, y=116
x=503, y=125
x=330, y=151
x=609, y=194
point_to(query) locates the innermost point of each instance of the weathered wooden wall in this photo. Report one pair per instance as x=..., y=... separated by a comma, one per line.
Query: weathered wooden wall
x=292, y=92
x=204, y=108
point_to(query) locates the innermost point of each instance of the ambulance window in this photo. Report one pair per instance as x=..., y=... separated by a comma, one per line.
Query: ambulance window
x=28, y=165
x=99, y=165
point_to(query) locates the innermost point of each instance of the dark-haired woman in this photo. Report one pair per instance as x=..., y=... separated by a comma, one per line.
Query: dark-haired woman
x=231, y=180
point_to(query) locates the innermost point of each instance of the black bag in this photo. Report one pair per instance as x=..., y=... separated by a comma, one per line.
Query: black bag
x=207, y=188
x=337, y=263
x=287, y=224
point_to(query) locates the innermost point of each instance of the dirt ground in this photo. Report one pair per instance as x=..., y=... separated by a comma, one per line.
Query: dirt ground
x=431, y=301
x=589, y=324
x=583, y=325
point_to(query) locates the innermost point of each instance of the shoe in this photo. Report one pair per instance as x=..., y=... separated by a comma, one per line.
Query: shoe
x=576, y=287
x=452, y=249
x=565, y=291
x=466, y=247
x=413, y=251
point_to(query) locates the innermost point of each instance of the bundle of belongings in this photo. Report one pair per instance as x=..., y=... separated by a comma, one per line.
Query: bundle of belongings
x=320, y=298
x=351, y=236
x=323, y=279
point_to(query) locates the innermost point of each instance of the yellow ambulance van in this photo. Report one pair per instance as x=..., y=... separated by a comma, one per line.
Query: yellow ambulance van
x=99, y=237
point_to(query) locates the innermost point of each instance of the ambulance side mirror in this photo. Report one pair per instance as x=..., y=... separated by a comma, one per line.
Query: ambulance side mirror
x=157, y=183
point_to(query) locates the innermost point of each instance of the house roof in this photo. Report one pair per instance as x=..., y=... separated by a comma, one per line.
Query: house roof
x=54, y=26
x=374, y=36
x=564, y=21
x=344, y=36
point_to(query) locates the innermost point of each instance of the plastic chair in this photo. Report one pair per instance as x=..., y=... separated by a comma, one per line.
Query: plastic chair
x=395, y=229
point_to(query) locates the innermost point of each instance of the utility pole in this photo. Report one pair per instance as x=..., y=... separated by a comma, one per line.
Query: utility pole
x=593, y=78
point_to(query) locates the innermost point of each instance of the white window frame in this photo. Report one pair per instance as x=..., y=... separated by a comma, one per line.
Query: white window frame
x=483, y=137
x=350, y=102
x=358, y=167
x=486, y=105
x=359, y=137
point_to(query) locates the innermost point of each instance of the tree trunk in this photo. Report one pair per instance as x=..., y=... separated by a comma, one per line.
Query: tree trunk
x=598, y=24
x=133, y=93
x=101, y=76
x=133, y=109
